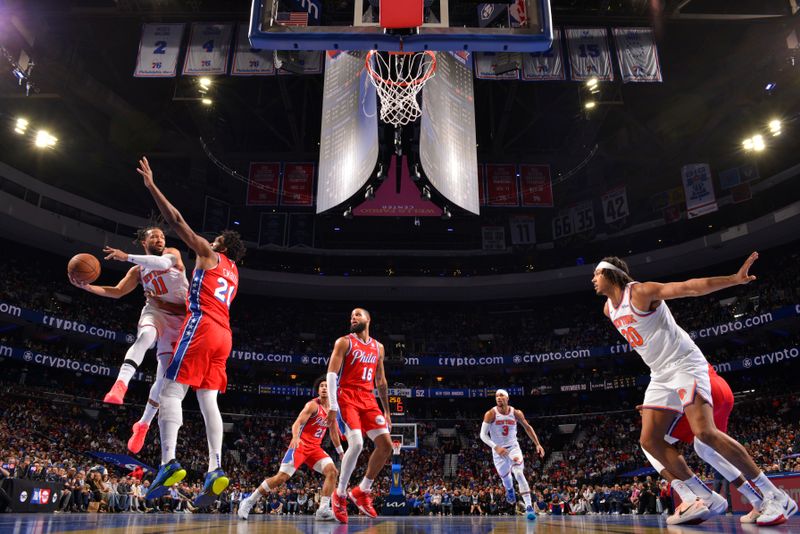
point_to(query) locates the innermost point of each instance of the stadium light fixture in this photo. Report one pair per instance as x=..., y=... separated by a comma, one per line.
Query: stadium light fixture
x=758, y=143
x=206, y=101
x=591, y=104
x=775, y=127
x=21, y=126
x=43, y=139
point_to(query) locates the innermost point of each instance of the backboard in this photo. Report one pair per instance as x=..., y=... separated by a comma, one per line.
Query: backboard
x=452, y=25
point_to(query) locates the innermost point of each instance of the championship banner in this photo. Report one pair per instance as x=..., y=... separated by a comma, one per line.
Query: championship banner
x=589, y=56
x=536, y=186
x=637, y=54
x=481, y=184
x=501, y=184
x=263, y=187
x=248, y=61
x=699, y=189
x=298, y=184
x=159, y=48
x=545, y=66
x=497, y=65
x=207, y=54
x=615, y=205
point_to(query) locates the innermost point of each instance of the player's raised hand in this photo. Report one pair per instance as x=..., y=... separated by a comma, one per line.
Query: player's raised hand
x=744, y=276
x=115, y=254
x=146, y=172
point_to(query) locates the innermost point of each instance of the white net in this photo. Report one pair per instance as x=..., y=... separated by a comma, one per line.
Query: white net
x=398, y=77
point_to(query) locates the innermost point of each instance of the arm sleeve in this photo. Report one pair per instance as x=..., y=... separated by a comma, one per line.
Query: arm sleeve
x=485, y=435
x=153, y=262
x=332, y=390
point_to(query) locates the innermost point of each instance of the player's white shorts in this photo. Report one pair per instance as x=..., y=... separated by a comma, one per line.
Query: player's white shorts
x=676, y=389
x=167, y=325
x=503, y=464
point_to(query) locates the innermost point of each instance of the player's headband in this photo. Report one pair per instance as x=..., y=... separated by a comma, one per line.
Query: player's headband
x=501, y=392
x=606, y=265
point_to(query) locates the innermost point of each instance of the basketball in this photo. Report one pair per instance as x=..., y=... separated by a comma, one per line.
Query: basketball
x=83, y=268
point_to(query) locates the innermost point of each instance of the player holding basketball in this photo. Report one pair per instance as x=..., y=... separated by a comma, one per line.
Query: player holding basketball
x=499, y=431
x=722, y=397
x=162, y=274
x=679, y=379
x=358, y=359
x=308, y=431
x=204, y=346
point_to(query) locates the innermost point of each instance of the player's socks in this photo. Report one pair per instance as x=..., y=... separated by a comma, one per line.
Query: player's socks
x=765, y=485
x=526, y=498
x=126, y=372
x=683, y=491
x=366, y=485
x=751, y=494
x=698, y=487
x=324, y=502
x=149, y=414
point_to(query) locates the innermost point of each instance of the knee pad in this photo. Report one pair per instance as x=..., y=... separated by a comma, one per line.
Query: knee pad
x=355, y=441
x=170, y=401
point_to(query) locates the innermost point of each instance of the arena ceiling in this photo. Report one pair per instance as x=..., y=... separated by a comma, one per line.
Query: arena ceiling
x=717, y=58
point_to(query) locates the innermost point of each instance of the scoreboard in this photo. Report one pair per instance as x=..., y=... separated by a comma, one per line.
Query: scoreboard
x=397, y=406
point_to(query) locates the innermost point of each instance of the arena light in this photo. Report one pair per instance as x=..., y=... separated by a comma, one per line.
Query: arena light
x=21, y=126
x=206, y=101
x=204, y=83
x=591, y=104
x=775, y=127
x=758, y=143
x=591, y=85
x=43, y=139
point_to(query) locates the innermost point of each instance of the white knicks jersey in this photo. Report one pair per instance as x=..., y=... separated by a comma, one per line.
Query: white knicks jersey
x=170, y=285
x=503, y=430
x=655, y=335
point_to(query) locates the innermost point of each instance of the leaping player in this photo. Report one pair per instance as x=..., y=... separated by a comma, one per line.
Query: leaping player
x=202, y=352
x=162, y=274
x=358, y=359
x=722, y=396
x=499, y=431
x=679, y=380
x=308, y=431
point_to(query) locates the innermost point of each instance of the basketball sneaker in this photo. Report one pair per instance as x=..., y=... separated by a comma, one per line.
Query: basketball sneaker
x=530, y=514
x=324, y=513
x=511, y=496
x=215, y=483
x=169, y=474
x=689, y=512
x=117, y=393
x=777, y=509
x=246, y=505
x=750, y=517
x=716, y=504
x=363, y=501
x=339, y=505
x=136, y=442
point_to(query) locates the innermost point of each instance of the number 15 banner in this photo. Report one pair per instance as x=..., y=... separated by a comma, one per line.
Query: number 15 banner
x=208, y=49
x=589, y=56
x=158, y=50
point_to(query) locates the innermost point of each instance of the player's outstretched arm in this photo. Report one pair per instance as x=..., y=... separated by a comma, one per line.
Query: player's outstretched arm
x=172, y=216
x=340, y=348
x=150, y=261
x=650, y=292
x=488, y=419
x=305, y=414
x=123, y=287
x=383, y=386
x=530, y=431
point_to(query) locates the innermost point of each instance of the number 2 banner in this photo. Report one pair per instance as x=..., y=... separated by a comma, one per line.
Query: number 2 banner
x=589, y=56
x=158, y=50
x=208, y=49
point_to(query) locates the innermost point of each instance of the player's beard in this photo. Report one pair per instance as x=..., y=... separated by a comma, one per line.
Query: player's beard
x=154, y=250
x=358, y=328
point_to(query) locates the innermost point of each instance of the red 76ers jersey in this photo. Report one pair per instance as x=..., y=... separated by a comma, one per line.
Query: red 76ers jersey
x=360, y=362
x=314, y=429
x=212, y=291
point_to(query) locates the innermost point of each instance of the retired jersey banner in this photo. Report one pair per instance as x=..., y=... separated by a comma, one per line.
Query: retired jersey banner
x=699, y=190
x=497, y=65
x=615, y=205
x=637, y=54
x=263, y=187
x=589, y=56
x=545, y=66
x=501, y=184
x=208, y=49
x=248, y=61
x=536, y=187
x=298, y=184
x=158, y=50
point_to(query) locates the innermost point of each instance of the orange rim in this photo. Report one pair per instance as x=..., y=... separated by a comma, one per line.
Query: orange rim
x=418, y=81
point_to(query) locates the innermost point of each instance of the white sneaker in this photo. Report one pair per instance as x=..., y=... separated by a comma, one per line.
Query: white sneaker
x=694, y=512
x=777, y=509
x=751, y=516
x=324, y=513
x=244, y=508
x=716, y=504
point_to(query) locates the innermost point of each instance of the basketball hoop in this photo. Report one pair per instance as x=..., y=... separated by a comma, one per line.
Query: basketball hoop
x=399, y=77
x=396, y=446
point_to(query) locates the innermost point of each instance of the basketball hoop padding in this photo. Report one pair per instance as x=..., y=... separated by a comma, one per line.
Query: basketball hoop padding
x=399, y=14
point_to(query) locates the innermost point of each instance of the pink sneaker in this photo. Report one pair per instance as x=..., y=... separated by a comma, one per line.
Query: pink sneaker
x=117, y=393
x=136, y=442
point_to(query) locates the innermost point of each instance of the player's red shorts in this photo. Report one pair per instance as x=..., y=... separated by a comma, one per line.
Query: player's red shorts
x=201, y=354
x=721, y=396
x=358, y=410
x=305, y=454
